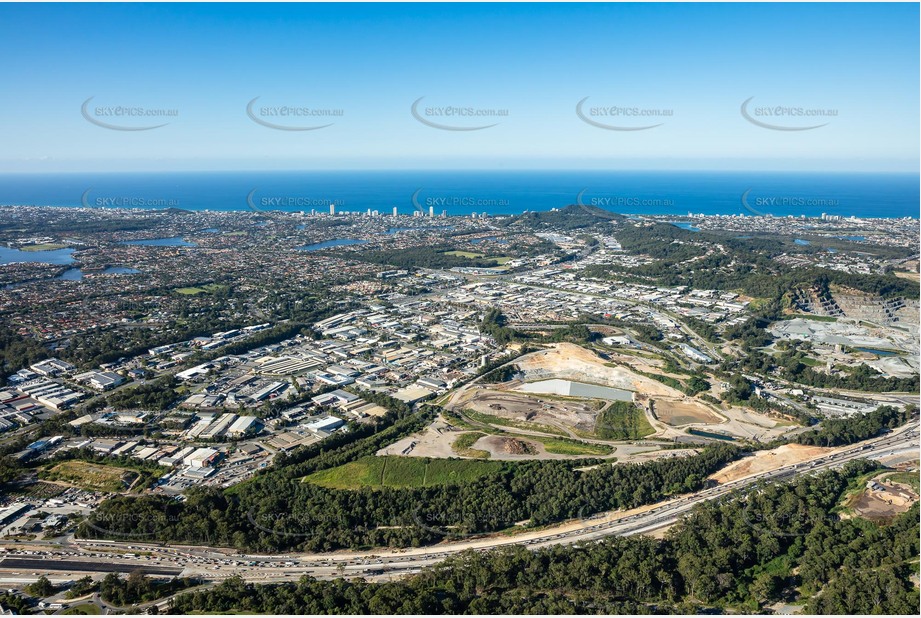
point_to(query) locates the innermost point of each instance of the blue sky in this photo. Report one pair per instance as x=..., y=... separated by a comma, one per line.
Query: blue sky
x=697, y=62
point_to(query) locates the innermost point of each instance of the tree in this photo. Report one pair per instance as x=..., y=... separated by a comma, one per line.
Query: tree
x=740, y=389
x=41, y=588
x=739, y=554
x=697, y=384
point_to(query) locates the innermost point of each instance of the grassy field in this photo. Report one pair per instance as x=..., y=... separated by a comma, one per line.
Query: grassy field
x=465, y=254
x=91, y=476
x=855, y=489
x=566, y=446
x=86, y=610
x=632, y=352
x=48, y=246
x=815, y=318
x=462, y=445
x=207, y=289
x=454, y=419
x=401, y=472
x=622, y=421
x=907, y=478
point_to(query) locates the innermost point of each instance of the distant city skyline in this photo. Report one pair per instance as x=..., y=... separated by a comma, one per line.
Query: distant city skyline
x=785, y=87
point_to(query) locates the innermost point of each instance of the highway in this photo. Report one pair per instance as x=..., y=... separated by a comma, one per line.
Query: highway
x=215, y=564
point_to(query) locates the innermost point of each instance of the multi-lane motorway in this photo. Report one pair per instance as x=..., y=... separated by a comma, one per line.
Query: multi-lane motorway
x=215, y=564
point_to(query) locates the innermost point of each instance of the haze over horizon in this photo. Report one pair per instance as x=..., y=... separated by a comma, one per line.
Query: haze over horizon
x=526, y=68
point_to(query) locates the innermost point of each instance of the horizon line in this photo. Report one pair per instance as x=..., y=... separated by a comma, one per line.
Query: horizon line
x=462, y=169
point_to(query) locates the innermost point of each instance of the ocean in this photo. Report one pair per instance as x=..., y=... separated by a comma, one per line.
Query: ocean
x=493, y=193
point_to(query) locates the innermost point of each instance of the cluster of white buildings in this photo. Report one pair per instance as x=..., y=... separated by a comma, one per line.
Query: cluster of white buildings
x=50, y=394
x=99, y=380
x=205, y=343
x=415, y=345
x=214, y=426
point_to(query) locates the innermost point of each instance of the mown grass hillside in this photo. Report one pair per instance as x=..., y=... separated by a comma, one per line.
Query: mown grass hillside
x=396, y=471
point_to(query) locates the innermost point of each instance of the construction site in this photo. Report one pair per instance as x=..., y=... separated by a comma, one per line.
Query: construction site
x=882, y=498
x=554, y=407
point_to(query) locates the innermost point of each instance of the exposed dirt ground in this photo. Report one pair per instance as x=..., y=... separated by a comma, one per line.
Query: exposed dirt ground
x=655, y=455
x=571, y=415
x=677, y=413
x=735, y=421
x=764, y=461
x=885, y=503
x=573, y=362
x=514, y=449
x=641, y=363
x=433, y=441
x=560, y=414
x=517, y=446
